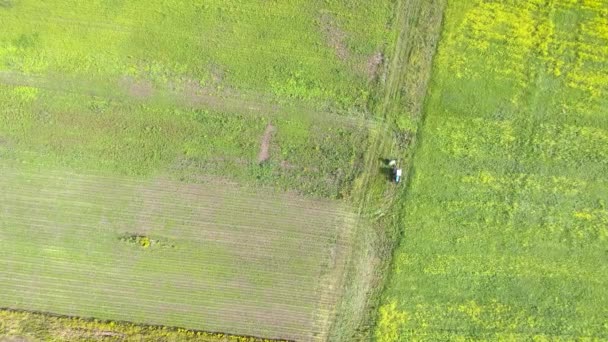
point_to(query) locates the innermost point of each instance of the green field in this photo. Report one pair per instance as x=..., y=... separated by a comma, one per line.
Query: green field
x=314, y=50
x=215, y=252
x=217, y=166
x=139, y=97
x=505, y=223
x=192, y=164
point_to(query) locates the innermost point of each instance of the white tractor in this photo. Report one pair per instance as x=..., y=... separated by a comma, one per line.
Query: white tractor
x=396, y=171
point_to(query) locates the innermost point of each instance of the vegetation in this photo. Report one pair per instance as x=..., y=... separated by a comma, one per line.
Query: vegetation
x=400, y=105
x=128, y=126
x=133, y=187
x=313, y=50
x=44, y=327
x=133, y=139
x=213, y=256
x=504, y=220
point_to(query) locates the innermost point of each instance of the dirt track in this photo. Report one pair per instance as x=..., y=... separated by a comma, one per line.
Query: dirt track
x=265, y=144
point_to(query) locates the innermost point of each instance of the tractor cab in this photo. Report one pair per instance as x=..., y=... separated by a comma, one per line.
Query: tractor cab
x=398, y=175
x=396, y=172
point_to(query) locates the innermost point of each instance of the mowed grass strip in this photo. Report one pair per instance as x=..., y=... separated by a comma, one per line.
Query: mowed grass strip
x=505, y=222
x=221, y=258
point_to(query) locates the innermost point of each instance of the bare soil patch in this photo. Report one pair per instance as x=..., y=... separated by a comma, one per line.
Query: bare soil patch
x=265, y=144
x=70, y=334
x=373, y=65
x=285, y=165
x=138, y=89
x=336, y=37
x=217, y=74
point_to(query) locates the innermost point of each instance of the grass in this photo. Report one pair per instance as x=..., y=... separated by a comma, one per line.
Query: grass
x=145, y=139
x=417, y=31
x=250, y=46
x=504, y=220
x=214, y=257
x=47, y=327
x=129, y=143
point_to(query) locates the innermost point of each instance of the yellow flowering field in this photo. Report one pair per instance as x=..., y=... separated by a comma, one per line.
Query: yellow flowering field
x=505, y=221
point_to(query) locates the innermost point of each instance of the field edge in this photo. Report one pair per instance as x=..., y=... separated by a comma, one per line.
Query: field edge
x=54, y=327
x=418, y=29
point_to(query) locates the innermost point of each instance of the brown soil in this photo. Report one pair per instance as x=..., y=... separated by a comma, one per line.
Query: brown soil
x=373, y=65
x=265, y=145
x=217, y=74
x=336, y=38
x=287, y=165
x=191, y=89
x=15, y=338
x=137, y=88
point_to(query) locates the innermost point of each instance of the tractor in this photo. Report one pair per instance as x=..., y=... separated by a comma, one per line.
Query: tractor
x=396, y=172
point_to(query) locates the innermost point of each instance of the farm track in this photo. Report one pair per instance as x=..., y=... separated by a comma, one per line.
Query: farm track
x=363, y=266
x=398, y=67
x=171, y=292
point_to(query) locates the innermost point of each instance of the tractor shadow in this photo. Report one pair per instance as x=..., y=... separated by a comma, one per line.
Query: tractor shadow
x=385, y=170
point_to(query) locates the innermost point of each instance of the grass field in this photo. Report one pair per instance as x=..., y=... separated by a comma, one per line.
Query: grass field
x=504, y=223
x=218, y=257
x=189, y=164
x=214, y=165
x=322, y=51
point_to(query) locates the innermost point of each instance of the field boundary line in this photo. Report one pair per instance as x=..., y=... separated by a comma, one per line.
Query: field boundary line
x=359, y=193
x=382, y=144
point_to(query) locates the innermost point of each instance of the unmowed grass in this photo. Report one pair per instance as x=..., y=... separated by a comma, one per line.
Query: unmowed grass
x=504, y=231
x=145, y=140
x=277, y=47
x=20, y=325
x=98, y=60
x=417, y=26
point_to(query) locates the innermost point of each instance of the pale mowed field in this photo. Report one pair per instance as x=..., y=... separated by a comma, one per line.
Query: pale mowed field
x=228, y=259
